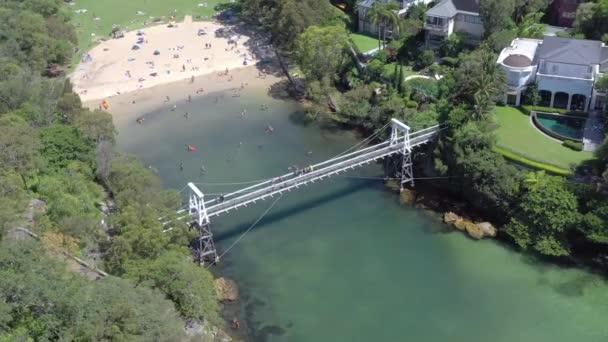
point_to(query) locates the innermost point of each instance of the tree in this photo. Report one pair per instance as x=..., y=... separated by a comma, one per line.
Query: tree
x=97, y=125
x=481, y=82
x=602, y=83
x=453, y=45
x=19, y=145
x=496, y=15
x=189, y=286
x=545, y=212
x=592, y=19
x=376, y=17
x=427, y=58
x=524, y=8
x=383, y=15
x=532, y=95
x=531, y=27
x=63, y=144
x=41, y=300
x=321, y=51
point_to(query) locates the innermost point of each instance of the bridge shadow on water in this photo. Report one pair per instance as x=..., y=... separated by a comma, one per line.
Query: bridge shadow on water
x=354, y=186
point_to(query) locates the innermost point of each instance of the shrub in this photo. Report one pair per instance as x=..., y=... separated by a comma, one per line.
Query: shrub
x=426, y=59
x=521, y=160
x=573, y=145
x=528, y=109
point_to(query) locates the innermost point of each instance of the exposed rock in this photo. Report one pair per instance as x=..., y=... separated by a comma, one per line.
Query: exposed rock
x=450, y=217
x=35, y=206
x=473, y=230
x=460, y=224
x=407, y=196
x=205, y=332
x=487, y=228
x=226, y=289
x=392, y=185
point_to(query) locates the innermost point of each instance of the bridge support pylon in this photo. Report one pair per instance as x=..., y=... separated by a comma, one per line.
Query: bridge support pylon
x=400, y=133
x=198, y=211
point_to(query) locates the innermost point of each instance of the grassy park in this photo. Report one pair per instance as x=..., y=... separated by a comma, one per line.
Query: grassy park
x=125, y=14
x=517, y=134
x=363, y=42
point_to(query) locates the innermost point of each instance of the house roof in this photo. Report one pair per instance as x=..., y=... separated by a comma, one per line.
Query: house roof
x=467, y=5
x=573, y=51
x=449, y=8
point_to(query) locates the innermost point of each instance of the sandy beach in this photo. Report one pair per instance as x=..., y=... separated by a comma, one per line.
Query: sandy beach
x=132, y=104
x=166, y=55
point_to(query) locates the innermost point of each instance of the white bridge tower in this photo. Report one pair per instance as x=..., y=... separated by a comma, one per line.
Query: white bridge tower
x=400, y=134
x=198, y=211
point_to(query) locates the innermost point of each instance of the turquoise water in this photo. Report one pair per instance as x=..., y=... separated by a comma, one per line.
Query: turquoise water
x=342, y=260
x=569, y=127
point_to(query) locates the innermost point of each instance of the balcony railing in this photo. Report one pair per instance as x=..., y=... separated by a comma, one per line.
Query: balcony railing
x=435, y=27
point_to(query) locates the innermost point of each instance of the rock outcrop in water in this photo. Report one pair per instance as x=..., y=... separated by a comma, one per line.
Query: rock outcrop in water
x=475, y=230
x=226, y=289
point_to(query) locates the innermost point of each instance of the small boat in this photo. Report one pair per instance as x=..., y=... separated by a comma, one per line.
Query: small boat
x=191, y=148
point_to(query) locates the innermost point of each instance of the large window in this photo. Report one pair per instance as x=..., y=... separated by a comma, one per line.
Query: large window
x=473, y=19
x=435, y=21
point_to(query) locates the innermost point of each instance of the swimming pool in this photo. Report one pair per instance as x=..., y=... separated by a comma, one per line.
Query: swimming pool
x=561, y=127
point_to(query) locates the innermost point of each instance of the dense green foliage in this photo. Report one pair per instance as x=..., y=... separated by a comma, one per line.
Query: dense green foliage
x=287, y=19
x=543, y=213
x=321, y=51
x=41, y=300
x=592, y=20
x=52, y=149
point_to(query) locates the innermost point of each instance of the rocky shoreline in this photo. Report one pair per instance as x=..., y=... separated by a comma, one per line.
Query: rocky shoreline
x=452, y=213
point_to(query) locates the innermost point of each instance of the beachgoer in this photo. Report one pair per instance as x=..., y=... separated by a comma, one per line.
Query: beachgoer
x=189, y=98
x=174, y=108
x=167, y=99
x=192, y=79
x=236, y=323
x=221, y=197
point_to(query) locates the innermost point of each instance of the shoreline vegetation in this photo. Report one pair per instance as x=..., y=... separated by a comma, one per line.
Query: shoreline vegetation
x=56, y=151
x=85, y=202
x=559, y=218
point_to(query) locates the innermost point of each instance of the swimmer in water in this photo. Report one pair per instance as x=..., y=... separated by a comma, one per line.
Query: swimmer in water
x=167, y=99
x=181, y=166
x=203, y=170
x=174, y=108
x=189, y=98
x=187, y=115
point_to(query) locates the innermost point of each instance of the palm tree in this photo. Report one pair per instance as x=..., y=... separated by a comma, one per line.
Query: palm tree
x=376, y=16
x=384, y=15
x=391, y=19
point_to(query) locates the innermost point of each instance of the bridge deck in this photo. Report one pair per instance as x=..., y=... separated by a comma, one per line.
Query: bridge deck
x=328, y=168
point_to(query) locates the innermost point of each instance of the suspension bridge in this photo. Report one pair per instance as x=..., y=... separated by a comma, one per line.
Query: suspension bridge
x=200, y=211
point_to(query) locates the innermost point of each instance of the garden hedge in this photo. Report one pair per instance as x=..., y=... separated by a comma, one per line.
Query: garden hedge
x=519, y=159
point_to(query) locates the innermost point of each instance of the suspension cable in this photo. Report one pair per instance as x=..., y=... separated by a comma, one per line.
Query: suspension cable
x=250, y=228
x=376, y=133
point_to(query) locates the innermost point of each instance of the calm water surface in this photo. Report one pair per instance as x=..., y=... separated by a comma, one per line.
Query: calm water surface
x=341, y=260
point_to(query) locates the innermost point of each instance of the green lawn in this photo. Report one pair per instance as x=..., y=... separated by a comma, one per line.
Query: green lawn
x=124, y=14
x=389, y=68
x=364, y=43
x=517, y=133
